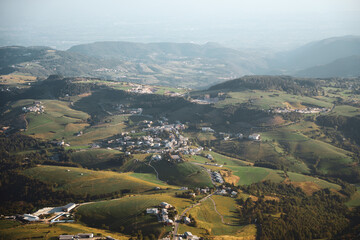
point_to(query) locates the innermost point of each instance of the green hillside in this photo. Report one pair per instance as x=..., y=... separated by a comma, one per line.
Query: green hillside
x=182, y=174
x=128, y=212
x=81, y=181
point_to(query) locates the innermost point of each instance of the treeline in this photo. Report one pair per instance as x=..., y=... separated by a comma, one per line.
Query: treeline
x=293, y=215
x=349, y=125
x=291, y=85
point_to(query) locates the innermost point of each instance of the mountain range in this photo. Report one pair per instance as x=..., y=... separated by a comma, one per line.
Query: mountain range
x=182, y=64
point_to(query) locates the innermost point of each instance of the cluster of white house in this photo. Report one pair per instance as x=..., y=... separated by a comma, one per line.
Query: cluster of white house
x=226, y=136
x=37, y=108
x=227, y=191
x=189, y=236
x=304, y=111
x=162, y=214
x=216, y=177
x=152, y=143
x=78, y=236
x=124, y=110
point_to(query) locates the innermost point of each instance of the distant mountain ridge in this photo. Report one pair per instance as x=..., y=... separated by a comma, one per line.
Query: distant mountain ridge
x=343, y=67
x=182, y=64
x=317, y=53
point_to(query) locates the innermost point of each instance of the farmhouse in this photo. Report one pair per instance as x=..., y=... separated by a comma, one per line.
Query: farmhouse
x=152, y=211
x=68, y=207
x=165, y=205
x=77, y=237
x=169, y=222
x=156, y=157
x=207, y=129
x=187, y=220
x=254, y=136
x=30, y=218
x=208, y=156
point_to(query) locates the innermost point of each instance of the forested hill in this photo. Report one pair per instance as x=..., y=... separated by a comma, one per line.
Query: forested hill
x=348, y=66
x=288, y=84
x=45, y=61
x=157, y=51
x=317, y=53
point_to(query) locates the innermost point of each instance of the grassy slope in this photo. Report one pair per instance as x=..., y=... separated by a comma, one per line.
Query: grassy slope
x=14, y=230
x=182, y=174
x=208, y=219
x=95, y=158
x=309, y=150
x=58, y=121
x=128, y=211
x=91, y=182
x=267, y=99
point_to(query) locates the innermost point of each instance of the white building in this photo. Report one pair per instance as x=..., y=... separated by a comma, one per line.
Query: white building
x=30, y=218
x=165, y=205
x=152, y=211
x=68, y=207
x=254, y=136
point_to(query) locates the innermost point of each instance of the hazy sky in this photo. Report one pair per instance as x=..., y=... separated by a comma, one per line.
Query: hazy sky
x=276, y=24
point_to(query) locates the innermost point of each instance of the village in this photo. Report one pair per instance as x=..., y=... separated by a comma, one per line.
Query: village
x=36, y=108
x=309, y=110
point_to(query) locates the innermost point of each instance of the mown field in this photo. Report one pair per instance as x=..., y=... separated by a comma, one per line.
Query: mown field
x=129, y=212
x=83, y=181
x=15, y=230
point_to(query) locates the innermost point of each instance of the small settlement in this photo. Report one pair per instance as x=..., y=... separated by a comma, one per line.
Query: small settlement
x=162, y=213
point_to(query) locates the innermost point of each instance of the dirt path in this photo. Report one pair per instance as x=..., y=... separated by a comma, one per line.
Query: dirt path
x=178, y=218
x=157, y=174
x=221, y=216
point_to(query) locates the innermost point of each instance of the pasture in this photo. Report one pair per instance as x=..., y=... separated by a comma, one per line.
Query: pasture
x=83, y=181
x=129, y=212
x=14, y=230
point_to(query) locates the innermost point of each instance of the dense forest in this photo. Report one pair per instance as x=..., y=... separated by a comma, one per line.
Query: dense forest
x=293, y=215
x=296, y=86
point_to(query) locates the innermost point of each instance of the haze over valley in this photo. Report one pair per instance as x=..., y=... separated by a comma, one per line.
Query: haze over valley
x=179, y=119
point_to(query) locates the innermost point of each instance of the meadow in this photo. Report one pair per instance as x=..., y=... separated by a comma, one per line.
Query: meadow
x=209, y=221
x=15, y=230
x=129, y=212
x=80, y=181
